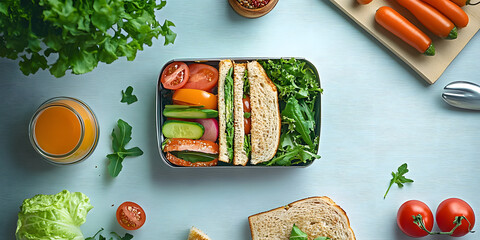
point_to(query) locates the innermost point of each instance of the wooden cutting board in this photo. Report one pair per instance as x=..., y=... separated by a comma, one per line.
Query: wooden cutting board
x=429, y=68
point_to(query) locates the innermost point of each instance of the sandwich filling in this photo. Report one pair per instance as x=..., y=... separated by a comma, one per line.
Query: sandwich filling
x=247, y=147
x=229, y=112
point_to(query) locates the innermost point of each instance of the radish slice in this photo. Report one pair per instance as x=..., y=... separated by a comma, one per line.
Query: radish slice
x=211, y=128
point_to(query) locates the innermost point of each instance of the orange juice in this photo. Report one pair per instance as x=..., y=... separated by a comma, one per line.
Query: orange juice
x=64, y=130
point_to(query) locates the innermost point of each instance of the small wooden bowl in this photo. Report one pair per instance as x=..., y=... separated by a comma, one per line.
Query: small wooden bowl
x=252, y=12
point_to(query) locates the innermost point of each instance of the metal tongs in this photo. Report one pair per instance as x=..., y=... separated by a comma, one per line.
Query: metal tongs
x=462, y=94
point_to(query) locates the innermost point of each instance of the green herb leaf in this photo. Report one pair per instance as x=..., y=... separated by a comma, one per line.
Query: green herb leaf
x=297, y=234
x=229, y=112
x=119, y=141
x=398, y=178
x=127, y=236
x=247, y=115
x=128, y=97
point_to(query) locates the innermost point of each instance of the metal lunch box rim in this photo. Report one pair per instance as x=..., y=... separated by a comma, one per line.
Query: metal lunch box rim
x=158, y=111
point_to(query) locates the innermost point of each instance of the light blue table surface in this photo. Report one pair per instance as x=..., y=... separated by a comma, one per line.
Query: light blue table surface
x=377, y=113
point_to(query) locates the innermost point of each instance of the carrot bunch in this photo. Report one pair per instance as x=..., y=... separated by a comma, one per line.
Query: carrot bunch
x=441, y=17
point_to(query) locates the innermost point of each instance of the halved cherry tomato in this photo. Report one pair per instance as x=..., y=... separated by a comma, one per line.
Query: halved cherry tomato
x=202, y=76
x=405, y=220
x=451, y=208
x=247, y=123
x=195, y=97
x=130, y=216
x=175, y=75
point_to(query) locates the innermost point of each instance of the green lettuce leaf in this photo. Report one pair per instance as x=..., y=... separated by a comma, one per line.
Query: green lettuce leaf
x=51, y=217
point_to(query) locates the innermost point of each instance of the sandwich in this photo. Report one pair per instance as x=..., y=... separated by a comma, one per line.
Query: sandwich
x=315, y=216
x=225, y=111
x=249, y=115
x=197, y=234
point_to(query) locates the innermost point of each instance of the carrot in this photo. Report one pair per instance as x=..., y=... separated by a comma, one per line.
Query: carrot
x=451, y=11
x=462, y=3
x=405, y=30
x=363, y=2
x=431, y=18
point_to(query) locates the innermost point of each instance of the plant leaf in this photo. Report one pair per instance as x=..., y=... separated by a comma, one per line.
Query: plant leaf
x=128, y=97
x=115, y=165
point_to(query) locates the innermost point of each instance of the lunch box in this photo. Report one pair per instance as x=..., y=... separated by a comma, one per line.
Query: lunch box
x=164, y=97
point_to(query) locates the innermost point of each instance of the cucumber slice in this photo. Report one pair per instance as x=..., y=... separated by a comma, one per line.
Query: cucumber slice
x=189, y=113
x=194, y=157
x=182, y=129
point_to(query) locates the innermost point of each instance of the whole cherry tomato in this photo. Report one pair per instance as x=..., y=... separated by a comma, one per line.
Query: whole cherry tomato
x=451, y=208
x=405, y=220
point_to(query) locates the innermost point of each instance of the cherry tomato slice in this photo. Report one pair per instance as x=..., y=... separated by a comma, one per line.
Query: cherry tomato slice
x=175, y=75
x=451, y=208
x=405, y=219
x=130, y=216
x=247, y=122
x=202, y=76
x=195, y=97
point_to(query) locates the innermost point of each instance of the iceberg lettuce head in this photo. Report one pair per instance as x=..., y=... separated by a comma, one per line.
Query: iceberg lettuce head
x=52, y=217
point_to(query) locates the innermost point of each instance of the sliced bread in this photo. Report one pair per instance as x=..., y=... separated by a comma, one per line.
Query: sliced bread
x=265, y=114
x=224, y=67
x=240, y=156
x=315, y=216
x=197, y=234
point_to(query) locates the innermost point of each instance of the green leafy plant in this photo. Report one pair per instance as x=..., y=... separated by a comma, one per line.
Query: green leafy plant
x=128, y=97
x=298, y=89
x=56, y=216
x=78, y=34
x=119, y=141
x=398, y=178
x=127, y=236
x=297, y=234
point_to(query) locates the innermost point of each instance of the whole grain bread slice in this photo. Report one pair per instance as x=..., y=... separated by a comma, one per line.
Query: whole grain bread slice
x=265, y=114
x=315, y=216
x=223, y=68
x=239, y=156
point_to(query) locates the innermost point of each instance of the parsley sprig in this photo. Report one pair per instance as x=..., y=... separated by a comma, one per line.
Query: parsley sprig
x=128, y=97
x=127, y=236
x=119, y=141
x=398, y=178
x=76, y=35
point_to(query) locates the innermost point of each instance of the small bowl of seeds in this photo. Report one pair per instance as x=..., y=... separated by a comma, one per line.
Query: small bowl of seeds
x=252, y=8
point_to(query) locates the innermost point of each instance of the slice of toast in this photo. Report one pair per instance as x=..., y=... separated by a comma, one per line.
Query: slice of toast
x=239, y=156
x=315, y=216
x=223, y=68
x=265, y=114
x=197, y=234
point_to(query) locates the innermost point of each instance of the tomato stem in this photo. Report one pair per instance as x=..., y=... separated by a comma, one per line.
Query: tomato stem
x=458, y=221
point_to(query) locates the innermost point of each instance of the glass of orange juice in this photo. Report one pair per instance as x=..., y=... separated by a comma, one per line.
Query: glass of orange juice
x=64, y=130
